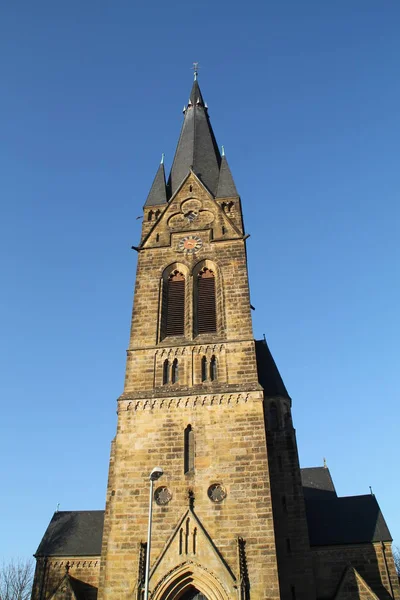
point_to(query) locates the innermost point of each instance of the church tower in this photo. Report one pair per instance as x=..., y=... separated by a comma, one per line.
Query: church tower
x=204, y=401
x=234, y=517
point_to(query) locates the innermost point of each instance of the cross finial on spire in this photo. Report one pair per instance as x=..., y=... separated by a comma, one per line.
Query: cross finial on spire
x=195, y=70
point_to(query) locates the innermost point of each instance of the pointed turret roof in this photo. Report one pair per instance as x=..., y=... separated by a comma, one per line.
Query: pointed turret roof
x=158, y=191
x=226, y=185
x=197, y=148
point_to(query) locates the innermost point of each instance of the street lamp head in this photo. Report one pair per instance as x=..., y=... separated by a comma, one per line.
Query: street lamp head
x=156, y=473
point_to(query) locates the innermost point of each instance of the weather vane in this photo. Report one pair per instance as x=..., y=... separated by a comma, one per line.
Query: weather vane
x=195, y=69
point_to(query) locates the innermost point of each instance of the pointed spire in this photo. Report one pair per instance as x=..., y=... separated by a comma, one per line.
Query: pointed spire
x=197, y=147
x=226, y=185
x=158, y=191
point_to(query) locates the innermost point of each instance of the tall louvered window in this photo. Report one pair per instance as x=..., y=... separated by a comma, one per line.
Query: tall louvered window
x=173, y=322
x=206, y=309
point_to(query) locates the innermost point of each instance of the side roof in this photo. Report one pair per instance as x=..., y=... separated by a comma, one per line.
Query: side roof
x=268, y=374
x=339, y=520
x=73, y=533
x=317, y=481
x=347, y=520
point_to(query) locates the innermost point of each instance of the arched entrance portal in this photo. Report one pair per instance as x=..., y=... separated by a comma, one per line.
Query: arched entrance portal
x=190, y=581
x=191, y=594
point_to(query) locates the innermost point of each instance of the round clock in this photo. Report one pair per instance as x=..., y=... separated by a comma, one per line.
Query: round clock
x=190, y=244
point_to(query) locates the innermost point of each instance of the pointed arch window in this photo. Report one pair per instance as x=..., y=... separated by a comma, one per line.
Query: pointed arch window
x=213, y=368
x=204, y=369
x=188, y=449
x=165, y=376
x=206, y=302
x=175, y=371
x=173, y=312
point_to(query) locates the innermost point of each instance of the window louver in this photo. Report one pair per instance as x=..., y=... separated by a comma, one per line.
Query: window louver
x=174, y=304
x=206, y=312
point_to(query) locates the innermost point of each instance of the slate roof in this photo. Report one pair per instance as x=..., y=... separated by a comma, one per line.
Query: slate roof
x=73, y=533
x=317, y=482
x=197, y=148
x=158, y=190
x=226, y=186
x=347, y=520
x=268, y=374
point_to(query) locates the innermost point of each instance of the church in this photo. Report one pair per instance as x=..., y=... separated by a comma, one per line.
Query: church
x=233, y=515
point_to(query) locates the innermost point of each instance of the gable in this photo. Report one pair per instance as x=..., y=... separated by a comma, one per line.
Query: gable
x=354, y=587
x=190, y=544
x=70, y=588
x=191, y=209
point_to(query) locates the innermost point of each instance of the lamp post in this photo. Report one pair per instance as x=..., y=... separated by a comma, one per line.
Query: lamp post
x=154, y=475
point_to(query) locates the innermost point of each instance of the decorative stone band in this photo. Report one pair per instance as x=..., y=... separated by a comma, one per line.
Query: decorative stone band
x=83, y=563
x=189, y=401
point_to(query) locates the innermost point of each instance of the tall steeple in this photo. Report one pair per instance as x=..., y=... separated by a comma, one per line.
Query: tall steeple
x=197, y=148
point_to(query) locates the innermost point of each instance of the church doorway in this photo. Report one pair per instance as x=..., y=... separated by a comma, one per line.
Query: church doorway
x=192, y=594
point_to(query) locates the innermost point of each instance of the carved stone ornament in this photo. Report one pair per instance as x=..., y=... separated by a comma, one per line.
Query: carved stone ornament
x=216, y=492
x=162, y=495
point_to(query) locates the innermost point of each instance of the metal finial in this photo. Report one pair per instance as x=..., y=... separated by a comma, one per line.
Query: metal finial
x=195, y=70
x=58, y=507
x=162, y=158
x=325, y=465
x=223, y=150
x=370, y=489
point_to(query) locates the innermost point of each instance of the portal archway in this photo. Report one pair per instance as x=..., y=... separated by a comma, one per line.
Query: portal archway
x=189, y=581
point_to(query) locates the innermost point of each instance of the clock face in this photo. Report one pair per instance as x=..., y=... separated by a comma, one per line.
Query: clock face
x=190, y=244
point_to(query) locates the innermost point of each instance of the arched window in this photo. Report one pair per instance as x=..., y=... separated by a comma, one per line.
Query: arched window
x=173, y=311
x=157, y=214
x=165, y=374
x=204, y=369
x=175, y=371
x=188, y=450
x=213, y=368
x=206, y=309
x=150, y=215
x=273, y=416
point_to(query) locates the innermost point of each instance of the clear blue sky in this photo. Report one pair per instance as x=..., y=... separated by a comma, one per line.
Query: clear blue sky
x=305, y=97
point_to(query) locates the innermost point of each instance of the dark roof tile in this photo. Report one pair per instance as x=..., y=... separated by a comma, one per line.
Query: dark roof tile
x=226, y=185
x=73, y=533
x=158, y=190
x=197, y=148
x=268, y=374
x=317, y=481
x=348, y=520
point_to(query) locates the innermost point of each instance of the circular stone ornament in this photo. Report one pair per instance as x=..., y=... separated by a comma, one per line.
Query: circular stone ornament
x=162, y=495
x=216, y=492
